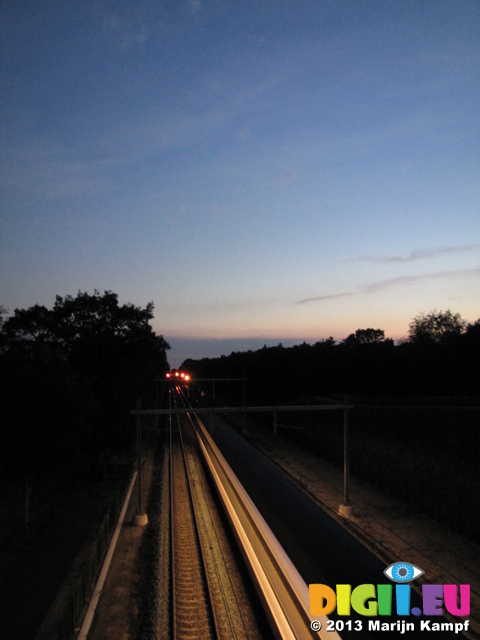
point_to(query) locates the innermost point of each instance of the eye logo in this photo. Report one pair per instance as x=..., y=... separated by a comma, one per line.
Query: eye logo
x=403, y=572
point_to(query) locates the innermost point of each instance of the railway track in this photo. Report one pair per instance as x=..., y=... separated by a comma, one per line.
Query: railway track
x=209, y=596
x=192, y=608
x=282, y=591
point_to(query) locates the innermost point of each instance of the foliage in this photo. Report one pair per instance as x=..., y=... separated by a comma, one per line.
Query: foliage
x=472, y=334
x=436, y=327
x=3, y=313
x=364, y=363
x=72, y=373
x=27, y=325
x=366, y=336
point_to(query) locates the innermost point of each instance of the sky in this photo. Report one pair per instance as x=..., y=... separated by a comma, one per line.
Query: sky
x=264, y=171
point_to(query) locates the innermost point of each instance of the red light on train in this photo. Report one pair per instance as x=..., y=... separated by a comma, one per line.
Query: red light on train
x=178, y=374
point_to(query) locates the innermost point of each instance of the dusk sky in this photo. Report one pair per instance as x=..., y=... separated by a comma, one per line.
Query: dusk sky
x=263, y=171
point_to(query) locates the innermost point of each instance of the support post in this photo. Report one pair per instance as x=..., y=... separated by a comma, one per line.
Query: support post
x=170, y=412
x=346, y=508
x=139, y=460
x=244, y=406
x=139, y=519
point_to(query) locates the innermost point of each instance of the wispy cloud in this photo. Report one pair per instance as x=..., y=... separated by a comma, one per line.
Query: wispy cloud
x=383, y=285
x=422, y=254
x=328, y=296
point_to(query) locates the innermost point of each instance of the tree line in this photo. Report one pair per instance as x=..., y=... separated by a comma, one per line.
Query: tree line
x=70, y=375
x=440, y=357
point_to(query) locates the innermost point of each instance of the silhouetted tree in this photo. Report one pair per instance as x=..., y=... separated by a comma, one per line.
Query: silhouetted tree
x=472, y=333
x=436, y=327
x=366, y=336
x=73, y=372
x=47, y=412
x=29, y=325
x=102, y=338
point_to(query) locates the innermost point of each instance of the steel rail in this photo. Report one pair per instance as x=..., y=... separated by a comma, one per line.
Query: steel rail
x=209, y=607
x=172, y=539
x=213, y=543
x=196, y=517
x=282, y=590
x=172, y=528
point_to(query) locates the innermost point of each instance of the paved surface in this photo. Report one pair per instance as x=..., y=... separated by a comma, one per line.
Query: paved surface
x=116, y=617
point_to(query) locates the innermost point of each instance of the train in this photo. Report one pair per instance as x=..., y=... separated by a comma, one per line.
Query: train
x=176, y=374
